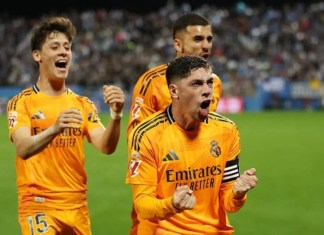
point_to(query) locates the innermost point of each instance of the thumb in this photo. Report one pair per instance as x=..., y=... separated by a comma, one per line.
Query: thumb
x=251, y=171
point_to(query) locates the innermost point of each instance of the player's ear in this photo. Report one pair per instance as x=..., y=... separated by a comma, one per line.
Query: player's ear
x=173, y=89
x=177, y=44
x=36, y=55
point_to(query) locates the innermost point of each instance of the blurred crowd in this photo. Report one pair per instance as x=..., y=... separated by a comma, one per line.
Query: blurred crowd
x=251, y=45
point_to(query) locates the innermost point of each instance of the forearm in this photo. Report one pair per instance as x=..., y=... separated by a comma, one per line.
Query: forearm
x=230, y=202
x=111, y=136
x=31, y=145
x=148, y=206
x=236, y=192
x=115, y=98
x=152, y=208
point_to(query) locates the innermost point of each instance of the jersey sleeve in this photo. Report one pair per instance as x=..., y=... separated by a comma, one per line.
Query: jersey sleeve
x=142, y=174
x=142, y=168
x=92, y=116
x=231, y=173
x=150, y=95
x=17, y=114
x=148, y=206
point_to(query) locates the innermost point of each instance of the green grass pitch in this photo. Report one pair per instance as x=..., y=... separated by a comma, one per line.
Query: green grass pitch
x=287, y=149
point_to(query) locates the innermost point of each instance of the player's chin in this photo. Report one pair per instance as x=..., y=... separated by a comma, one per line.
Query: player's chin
x=203, y=114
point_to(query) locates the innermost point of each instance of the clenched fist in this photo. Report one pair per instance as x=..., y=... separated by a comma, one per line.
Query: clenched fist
x=183, y=198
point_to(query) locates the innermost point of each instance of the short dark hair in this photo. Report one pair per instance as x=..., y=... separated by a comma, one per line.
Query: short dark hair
x=48, y=26
x=188, y=19
x=181, y=67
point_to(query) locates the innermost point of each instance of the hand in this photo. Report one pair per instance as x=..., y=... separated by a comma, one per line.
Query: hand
x=183, y=198
x=69, y=118
x=115, y=97
x=245, y=182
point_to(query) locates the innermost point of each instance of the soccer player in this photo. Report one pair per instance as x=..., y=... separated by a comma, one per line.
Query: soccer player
x=48, y=123
x=183, y=162
x=192, y=35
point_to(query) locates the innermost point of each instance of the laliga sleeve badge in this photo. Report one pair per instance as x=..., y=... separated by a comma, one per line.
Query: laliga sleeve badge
x=137, y=107
x=134, y=164
x=12, y=119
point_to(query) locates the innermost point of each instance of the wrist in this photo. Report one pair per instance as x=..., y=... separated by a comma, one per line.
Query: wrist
x=175, y=208
x=238, y=195
x=115, y=116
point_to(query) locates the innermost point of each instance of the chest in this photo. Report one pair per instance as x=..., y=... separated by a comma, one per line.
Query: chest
x=43, y=112
x=192, y=151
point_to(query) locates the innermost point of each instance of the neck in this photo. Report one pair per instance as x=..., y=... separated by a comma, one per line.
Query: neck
x=185, y=121
x=52, y=88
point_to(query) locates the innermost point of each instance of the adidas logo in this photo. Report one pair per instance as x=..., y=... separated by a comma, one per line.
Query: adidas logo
x=38, y=115
x=171, y=156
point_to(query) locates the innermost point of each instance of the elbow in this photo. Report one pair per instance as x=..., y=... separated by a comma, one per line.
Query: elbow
x=24, y=152
x=232, y=209
x=23, y=148
x=24, y=155
x=108, y=151
x=233, y=205
x=142, y=212
x=106, y=147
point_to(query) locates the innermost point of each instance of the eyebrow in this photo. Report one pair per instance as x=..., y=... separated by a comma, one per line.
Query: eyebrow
x=202, y=80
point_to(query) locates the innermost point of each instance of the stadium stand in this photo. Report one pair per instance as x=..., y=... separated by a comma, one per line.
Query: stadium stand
x=272, y=57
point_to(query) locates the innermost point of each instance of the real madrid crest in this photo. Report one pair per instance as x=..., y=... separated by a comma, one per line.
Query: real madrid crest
x=215, y=150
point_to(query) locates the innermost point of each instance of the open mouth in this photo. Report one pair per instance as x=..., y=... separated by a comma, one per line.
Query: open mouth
x=61, y=64
x=205, y=56
x=205, y=104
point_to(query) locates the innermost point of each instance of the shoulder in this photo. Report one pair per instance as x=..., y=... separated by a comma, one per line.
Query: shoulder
x=216, y=77
x=214, y=117
x=26, y=92
x=20, y=97
x=153, y=73
x=83, y=99
x=151, y=125
x=147, y=80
